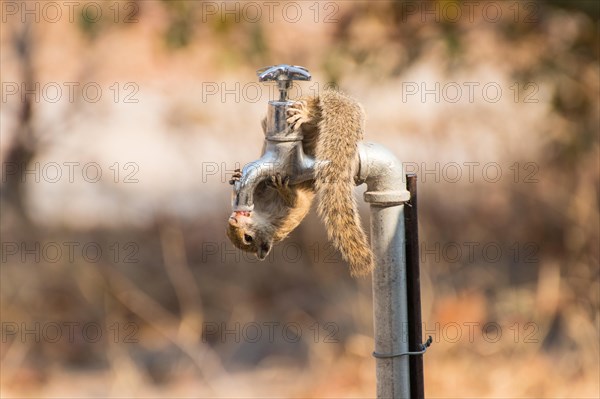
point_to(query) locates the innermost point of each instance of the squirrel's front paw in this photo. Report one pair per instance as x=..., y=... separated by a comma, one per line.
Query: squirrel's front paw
x=297, y=114
x=237, y=175
x=281, y=183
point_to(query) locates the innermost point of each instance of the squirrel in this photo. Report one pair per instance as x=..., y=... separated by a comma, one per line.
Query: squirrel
x=332, y=124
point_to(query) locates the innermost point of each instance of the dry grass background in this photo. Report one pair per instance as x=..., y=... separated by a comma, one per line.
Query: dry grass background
x=543, y=291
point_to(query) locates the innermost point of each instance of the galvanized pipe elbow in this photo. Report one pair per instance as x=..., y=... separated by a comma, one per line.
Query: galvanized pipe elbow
x=383, y=173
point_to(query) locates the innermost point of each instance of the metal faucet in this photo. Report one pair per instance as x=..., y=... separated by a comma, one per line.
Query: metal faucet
x=386, y=192
x=283, y=151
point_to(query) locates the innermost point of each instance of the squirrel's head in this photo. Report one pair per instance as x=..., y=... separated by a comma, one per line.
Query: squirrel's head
x=248, y=234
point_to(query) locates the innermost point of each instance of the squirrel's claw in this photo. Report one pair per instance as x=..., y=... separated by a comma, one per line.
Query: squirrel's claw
x=295, y=121
x=297, y=114
x=237, y=175
x=279, y=182
x=282, y=185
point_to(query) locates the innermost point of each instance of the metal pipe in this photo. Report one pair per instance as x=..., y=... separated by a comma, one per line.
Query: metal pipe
x=387, y=193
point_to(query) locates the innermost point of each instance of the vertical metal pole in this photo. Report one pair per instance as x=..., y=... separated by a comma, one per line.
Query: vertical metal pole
x=389, y=300
x=413, y=276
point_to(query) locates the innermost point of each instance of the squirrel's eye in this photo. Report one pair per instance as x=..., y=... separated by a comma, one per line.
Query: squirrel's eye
x=247, y=238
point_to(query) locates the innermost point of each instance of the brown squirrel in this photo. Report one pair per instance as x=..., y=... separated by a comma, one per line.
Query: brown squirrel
x=332, y=124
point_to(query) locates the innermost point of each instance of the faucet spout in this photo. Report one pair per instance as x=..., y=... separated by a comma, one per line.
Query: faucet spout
x=284, y=157
x=252, y=174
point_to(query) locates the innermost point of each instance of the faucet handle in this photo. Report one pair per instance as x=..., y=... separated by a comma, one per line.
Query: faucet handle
x=283, y=74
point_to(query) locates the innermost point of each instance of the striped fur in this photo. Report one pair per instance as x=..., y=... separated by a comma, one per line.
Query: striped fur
x=341, y=127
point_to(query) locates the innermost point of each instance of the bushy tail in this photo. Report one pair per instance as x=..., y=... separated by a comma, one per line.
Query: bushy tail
x=340, y=130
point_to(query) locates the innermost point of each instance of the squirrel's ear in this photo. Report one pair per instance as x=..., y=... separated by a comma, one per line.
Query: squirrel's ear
x=263, y=250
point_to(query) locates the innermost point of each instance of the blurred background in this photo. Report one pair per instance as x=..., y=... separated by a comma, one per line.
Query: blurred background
x=122, y=122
